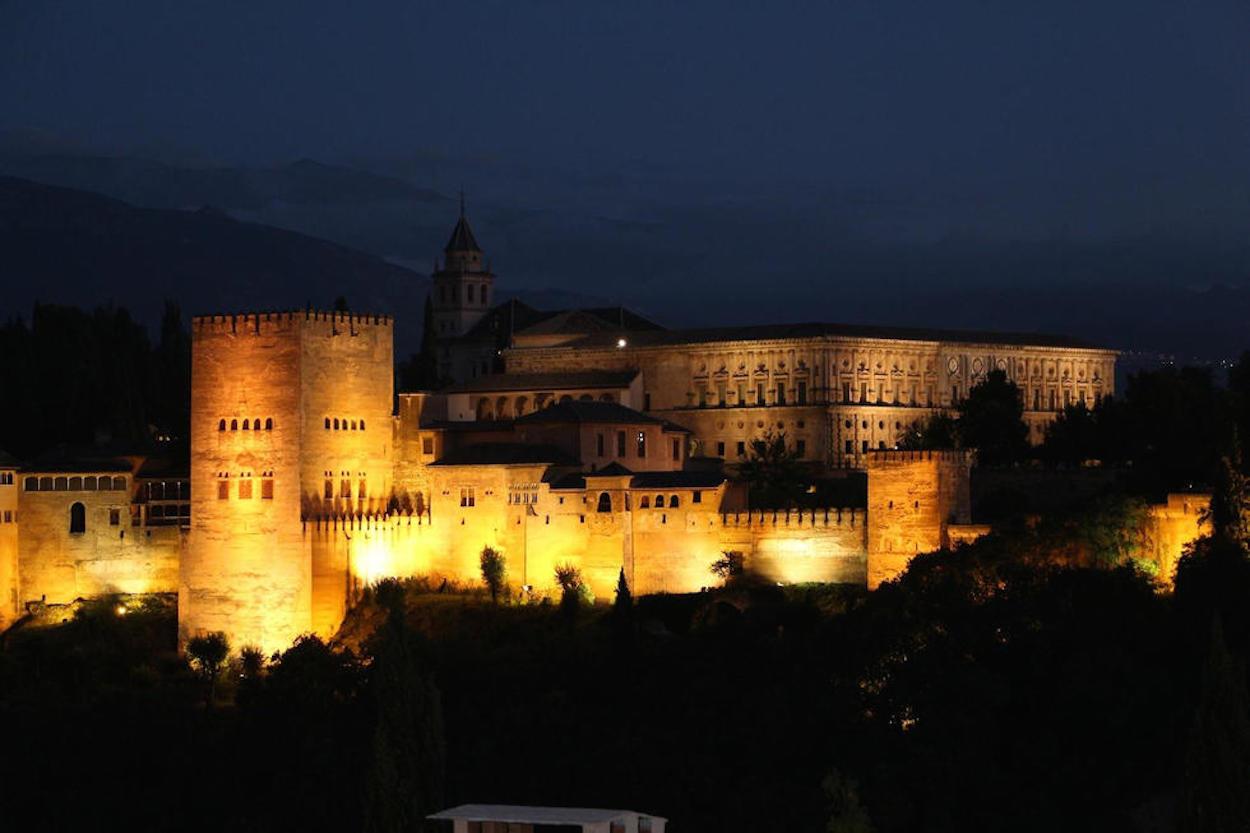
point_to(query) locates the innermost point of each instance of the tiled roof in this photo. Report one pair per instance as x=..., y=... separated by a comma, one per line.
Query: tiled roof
x=613, y=469
x=584, y=412
x=462, y=239
x=591, y=379
x=504, y=454
x=768, y=332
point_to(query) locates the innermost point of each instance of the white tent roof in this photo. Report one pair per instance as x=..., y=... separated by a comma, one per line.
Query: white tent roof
x=519, y=814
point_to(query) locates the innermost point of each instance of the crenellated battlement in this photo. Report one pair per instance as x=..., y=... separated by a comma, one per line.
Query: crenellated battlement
x=896, y=456
x=260, y=323
x=795, y=518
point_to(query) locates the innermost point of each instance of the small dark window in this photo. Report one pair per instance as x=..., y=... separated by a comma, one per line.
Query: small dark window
x=800, y=447
x=32, y=484
x=362, y=425
x=645, y=503
x=221, y=426
x=659, y=501
x=427, y=445
x=234, y=425
x=742, y=449
x=269, y=423
x=115, y=517
x=696, y=497
x=720, y=448
x=327, y=423
x=245, y=425
x=605, y=502
x=674, y=502
x=77, y=519
x=336, y=424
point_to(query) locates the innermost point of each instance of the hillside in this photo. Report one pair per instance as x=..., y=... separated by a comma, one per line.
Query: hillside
x=59, y=245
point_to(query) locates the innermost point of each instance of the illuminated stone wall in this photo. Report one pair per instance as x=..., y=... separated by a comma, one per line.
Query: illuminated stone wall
x=912, y=497
x=9, y=517
x=246, y=570
x=1171, y=527
x=110, y=555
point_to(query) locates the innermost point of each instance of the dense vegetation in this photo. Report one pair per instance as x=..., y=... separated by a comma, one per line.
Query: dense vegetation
x=1035, y=681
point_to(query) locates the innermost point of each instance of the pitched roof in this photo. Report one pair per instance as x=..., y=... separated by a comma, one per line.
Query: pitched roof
x=515, y=317
x=766, y=332
x=677, y=480
x=517, y=814
x=583, y=412
x=462, y=239
x=613, y=469
x=505, y=454
x=591, y=379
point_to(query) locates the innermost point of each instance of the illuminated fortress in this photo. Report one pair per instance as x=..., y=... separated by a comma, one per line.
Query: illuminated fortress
x=589, y=437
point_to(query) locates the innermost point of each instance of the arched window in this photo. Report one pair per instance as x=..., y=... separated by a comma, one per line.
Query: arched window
x=659, y=501
x=269, y=423
x=585, y=397
x=353, y=425
x=343, y=424
x=607, y=397
x=256, y=423
x=362, y=425
x=674, y=502
x=119, y=484
x=336, y=423
x=75, y=484
x=77, y=519
x=645, y=503
x=234, y=425
x=522, y=404
x=221, y=426
x=564, y=400
x=89, y=483
x=327, y=423
x=61, y=484
x=605, y=502
x=483, y=409
x=45, y=484
x=245, y=425
x=32, y=484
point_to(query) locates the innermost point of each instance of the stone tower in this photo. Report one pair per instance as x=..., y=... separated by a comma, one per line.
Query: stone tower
x=463, y=287
x=913, y=498
x=290, y=422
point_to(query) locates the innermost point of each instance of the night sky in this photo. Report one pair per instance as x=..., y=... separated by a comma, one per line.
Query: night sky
x=876, y=161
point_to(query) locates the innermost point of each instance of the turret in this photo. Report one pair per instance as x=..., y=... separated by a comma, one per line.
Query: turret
x=463, y=287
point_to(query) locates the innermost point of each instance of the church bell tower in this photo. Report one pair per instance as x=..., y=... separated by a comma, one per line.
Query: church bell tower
x=463, y=287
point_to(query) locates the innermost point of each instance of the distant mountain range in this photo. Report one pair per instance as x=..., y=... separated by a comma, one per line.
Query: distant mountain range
x=61, y=245
x=680, y=251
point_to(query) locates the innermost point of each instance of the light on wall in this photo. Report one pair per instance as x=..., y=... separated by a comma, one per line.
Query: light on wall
x=620, y=342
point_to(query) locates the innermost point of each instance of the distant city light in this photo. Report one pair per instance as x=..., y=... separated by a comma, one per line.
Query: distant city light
x=620, y=342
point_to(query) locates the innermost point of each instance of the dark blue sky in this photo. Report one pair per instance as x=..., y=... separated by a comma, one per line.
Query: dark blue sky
x=769, y=127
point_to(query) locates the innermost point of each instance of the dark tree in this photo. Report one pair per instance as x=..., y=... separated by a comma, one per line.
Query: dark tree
x=173, y=375
x=775, y=476
x=406, y=774
x=624, y=602
x=937, y=431
x=494, y=571
x=990, y=420
x=208, y=655
x=1215, y=788
x=340, y=304
x=420, y=371
x=1073, y=437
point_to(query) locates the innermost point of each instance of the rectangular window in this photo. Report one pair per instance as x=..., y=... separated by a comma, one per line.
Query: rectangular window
x=641, y=443
x=676, y=449
x=223, y=489
x=742, y=394
x=115, y=517
x=850, y=446
x=801, y=395
x=703, y=396
x=427, y=445
x=599, y=444
x=742, y=448
x=781, y=393
x=863, y=391
x=696, y=497
x=345, y=489
x=846, y=391
x=327, y=489
x=467, y=497
x=620, y=443
x=800, y=447
x=245, y=488
x=865, y=447
x=266, y=489
x=720, y=448
x=8, y=516
x=721, y=394
x=759, y=393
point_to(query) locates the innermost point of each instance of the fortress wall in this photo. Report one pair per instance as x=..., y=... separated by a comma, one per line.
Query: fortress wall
x=912, y=497
x=1171, y=527
x=345, y=375
x=246, y=569
x=9, y=542
x=59, y=567
x=822, y=545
